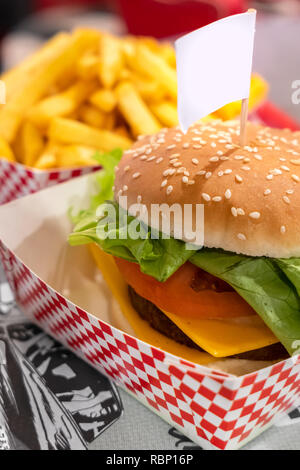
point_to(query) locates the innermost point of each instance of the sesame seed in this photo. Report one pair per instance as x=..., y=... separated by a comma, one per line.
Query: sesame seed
x=163, y=184
x=217, y=198
x=214, y=159
x=289, y=191
x=224, y=158
x=246, y=160
x=201, y=172
x=276, y=171
x=227, y=194
x=220, y=173
x=169, y=189
x=186, y=173
x=285, y=168
x=143, y=157
x=238, y=178
x=258, y=157
x=136, y=175
x=246, y=168
x=238, y=157
x=241, y=236
x=195, y=161
x=185, y=179
x=160, y=159
x=220, y=152
x=150, y=159
x=196, y=146
x=296, y=178
x=282, y=229
x=267, y=191
x=286, y=199
x=175, y=155
x=295, y=162
x=186, y=145
x=125, y=187
x=127, y=167
x=269, y=177
x=234, y=211
x=254, y=215
x=176, y=164
x=170, y=147
x=240, y=211
x=191, y=182
x=208, y=174
x=228, y=171
x=213, y=144
x=206, y=197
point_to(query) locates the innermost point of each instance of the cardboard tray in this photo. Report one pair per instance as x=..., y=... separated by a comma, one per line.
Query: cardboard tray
x=61, y=290
x=16, y=180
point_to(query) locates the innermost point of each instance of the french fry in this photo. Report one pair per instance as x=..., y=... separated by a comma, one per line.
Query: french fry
x=166, y=112
x=48, y=159
x=87, y=67
x=150, y=90
x=105, y=100
x=167, y=52
x=155, y=67
x=72, y=156
x=30, y=144
x=72, y=132
x=111, y=60
x=23, y=73
x=62, y=104
x=6, y=151
x=91, y=116
x=12, y=113
x=135, y=111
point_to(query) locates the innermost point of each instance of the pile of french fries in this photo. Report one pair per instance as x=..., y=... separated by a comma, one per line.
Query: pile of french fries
x=89, y=91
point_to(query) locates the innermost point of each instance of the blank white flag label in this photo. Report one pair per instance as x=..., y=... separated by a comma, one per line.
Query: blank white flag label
x=214, y=66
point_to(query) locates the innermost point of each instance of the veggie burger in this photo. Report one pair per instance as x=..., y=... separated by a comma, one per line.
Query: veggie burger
x=237, y=295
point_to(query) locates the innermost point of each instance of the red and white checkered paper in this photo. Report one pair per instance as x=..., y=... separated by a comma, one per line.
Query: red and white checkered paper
x=16, y=180
x=216, y=410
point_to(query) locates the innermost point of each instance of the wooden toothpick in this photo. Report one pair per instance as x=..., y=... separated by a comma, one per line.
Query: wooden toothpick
x=243, y=122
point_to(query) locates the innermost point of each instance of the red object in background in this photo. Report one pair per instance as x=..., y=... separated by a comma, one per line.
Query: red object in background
x=275, y=117
x=165, y=18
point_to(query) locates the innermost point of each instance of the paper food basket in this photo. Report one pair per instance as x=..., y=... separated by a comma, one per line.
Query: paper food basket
x=214, y=409
x=17, y=180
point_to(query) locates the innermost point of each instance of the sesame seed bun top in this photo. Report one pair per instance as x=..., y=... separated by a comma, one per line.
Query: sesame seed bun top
x=251, y=195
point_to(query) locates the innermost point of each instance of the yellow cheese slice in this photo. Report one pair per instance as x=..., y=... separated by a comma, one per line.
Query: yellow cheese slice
x=142, y=329
x=220, y=338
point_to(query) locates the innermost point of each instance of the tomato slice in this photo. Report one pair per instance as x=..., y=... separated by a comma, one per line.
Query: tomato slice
x=190, y=292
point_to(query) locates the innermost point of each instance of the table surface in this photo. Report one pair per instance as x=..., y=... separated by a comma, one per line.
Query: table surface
x=277, y=58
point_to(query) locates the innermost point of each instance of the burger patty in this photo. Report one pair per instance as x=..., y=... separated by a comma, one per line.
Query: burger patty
x=160, y=322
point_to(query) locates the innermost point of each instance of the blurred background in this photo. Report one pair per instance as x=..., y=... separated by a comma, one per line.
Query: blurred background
x=25, y=24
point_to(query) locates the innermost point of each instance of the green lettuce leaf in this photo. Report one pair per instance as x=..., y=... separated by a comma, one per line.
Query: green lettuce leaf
x=104, y=179
x=159, y=258
x=264, y=286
